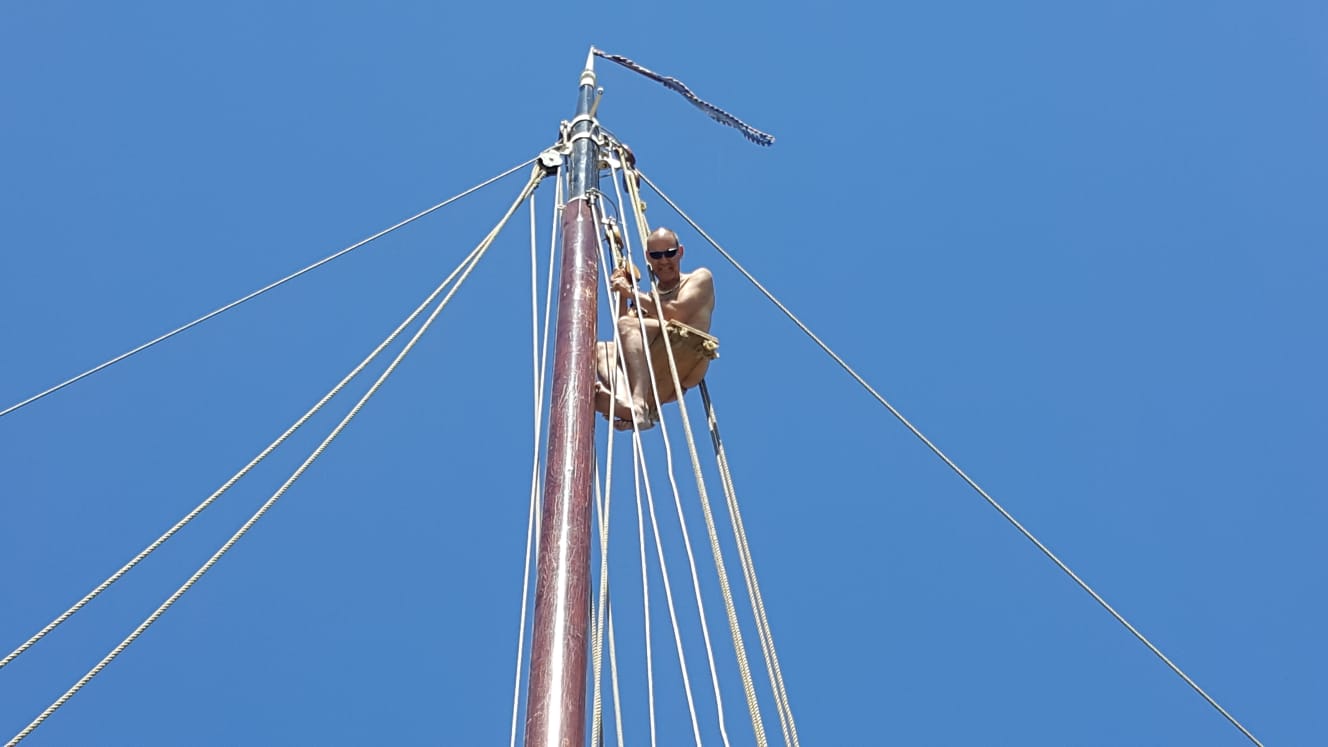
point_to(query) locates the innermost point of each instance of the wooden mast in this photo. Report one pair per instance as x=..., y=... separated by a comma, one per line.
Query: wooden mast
x=556, y=698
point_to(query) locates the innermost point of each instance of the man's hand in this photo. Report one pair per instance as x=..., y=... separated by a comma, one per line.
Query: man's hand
x=619, y=283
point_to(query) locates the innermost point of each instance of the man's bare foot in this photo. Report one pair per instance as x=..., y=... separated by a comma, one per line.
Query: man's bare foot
x=603, y=398
x=644, y=421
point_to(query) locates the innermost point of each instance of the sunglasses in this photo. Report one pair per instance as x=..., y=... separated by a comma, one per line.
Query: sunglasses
x=666, y=254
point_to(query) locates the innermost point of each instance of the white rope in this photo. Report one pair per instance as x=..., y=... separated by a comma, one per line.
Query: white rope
x=640, y=529
x=681, y=524
x=955, y=468
x=767, y=638
x=604, y=612
x=677, y=499
x=271, y=501
x=597, y=630
x=645, y=600
x=597, y=210
x=538, y=371
x=735, y=631
x=525, y=595
x=613, y=296
x=691, y=556
x=613, y=671
x=559, y=206
x=644, y=477
x=238, y=475
x=260, y=291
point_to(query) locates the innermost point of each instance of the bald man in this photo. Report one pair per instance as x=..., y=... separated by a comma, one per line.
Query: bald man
x=687, y=297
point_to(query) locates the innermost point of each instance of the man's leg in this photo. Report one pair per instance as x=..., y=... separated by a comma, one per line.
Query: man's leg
x=638, y=372
x=694, y=377
x=606, y=369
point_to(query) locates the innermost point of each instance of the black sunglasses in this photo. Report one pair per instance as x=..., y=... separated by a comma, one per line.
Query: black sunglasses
x=666, y=254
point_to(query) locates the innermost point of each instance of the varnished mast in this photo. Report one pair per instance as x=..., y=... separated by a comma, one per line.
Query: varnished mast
x=556, y=699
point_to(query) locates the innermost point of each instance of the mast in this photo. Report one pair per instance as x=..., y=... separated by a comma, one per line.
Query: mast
x=556, y=698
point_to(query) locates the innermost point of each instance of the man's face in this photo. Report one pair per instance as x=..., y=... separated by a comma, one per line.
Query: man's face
x=663, y=254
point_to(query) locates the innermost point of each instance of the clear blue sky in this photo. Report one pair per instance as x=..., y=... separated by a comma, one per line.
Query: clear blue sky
x=1083, y=249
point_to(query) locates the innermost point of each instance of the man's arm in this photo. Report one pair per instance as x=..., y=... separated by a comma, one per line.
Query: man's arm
x=627, y=293
x=695, y=300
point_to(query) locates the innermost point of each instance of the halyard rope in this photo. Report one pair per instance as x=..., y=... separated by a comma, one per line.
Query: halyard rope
x=677, y=496
x=539, y=368
x=639, y=452
x=749, y=575
x=603, y=502
x=735, y=630
x=643, y=476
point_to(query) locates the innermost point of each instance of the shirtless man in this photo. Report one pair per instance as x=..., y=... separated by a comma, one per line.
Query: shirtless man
x=688, y=297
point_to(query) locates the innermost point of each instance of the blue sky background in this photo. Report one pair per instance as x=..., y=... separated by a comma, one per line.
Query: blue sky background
x=1082, y=248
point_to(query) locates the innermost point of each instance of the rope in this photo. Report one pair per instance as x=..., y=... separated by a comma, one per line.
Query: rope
x=636, y=475
x=735, y=631
x=640, y=471
x=645, y=602
x=613, y=672
x=539, y=367
x=673, y=84
x=597, y=632
x=237, y=476
x=640, y=527
x=643, y=473
x=483, y=247
x=548, y=311
x=259, y=292
x=677, y=500
x=603, y=611
x=749, y=576
x=602, y=607
x=951, y=464
x=749, y=571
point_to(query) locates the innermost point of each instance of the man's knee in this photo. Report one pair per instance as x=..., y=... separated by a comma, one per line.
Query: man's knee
x=695, y=376
x=628, y=325
x=631, y=327
x=604, y=359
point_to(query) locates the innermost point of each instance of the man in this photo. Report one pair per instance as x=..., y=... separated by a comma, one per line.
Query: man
x=687, y=297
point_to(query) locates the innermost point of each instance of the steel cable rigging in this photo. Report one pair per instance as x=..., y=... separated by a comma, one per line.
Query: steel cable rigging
x=749, y=577
x=466, y=267
x=955, y=467
x=260, y=291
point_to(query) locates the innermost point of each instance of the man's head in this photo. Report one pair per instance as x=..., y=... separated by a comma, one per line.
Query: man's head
x=664, y=255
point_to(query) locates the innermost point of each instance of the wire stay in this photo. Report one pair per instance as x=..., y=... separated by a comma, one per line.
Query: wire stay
x=536, y=176
x=951, y=464
x=258, y=292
